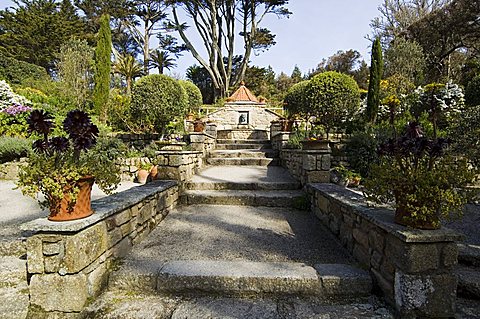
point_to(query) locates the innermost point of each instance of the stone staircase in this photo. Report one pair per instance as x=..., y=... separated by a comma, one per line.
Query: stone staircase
x=255, y=150
x=242, y=244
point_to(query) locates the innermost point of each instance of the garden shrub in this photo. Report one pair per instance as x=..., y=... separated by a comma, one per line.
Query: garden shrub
x=466, y=132
x=295, y=99
x=361, y=151
x=156, y=100
x=9, y=98
x=13, y=120
x=193, y=93
x=333, y=98
x=472, y=92
x=13, y=148
x=16, y=72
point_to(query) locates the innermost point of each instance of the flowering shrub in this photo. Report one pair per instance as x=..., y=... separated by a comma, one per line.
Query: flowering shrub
x=442, y=102
x=13, y=120
x=9, y=98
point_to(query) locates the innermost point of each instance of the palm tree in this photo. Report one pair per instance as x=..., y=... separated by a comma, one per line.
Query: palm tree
x=130, y=68
x=161, y=60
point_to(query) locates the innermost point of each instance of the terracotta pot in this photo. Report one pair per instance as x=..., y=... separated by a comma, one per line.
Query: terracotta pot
x=64, y=210
x=154, y=172
x=198, y=126
x=142, y=176
x=402, y=217
x=287, y=125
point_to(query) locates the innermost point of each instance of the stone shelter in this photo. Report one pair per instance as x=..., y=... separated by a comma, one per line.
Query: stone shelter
x=243, y=111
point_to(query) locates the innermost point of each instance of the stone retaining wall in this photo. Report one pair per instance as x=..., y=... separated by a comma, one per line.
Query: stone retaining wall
x=307, y=166
x=413, y=269
x=68, y=263
x=172, y=165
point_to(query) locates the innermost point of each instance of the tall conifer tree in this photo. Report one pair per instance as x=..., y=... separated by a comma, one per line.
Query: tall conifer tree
x=376, y=73
x=103, y=53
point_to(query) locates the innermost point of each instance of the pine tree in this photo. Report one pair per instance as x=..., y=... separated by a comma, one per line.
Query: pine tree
x=376, y=72
x=103, y=53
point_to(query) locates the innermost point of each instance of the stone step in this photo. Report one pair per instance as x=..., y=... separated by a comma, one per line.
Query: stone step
x=12, y=246
x=468, y=281
x=243, y=147
x=246, y=141
x=13, y=288
x=242, y=134
x=276, y=198
x=243, y=278
x=242, y=186
x=243, y=161
x=469, y=255
x=119, y=304
x=244, y=154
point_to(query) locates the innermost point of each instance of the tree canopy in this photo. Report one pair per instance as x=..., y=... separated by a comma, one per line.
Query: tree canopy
x=216, y=23
x=35, y=30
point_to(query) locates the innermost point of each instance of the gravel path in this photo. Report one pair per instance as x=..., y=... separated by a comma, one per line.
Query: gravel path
x=209, y=232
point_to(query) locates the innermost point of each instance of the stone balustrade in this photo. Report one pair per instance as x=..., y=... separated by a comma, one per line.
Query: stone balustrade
x=413, y=269
x=68, y=263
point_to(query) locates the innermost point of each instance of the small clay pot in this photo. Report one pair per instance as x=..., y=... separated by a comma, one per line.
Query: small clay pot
x=142, y=176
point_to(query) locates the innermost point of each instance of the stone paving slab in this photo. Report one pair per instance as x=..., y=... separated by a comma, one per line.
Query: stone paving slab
x=238, y=277
x=244, y=174
x=117, y=305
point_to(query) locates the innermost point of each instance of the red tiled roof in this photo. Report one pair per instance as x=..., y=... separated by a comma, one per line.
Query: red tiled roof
x=243, y=95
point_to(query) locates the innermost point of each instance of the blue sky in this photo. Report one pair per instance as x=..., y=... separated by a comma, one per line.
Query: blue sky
x=316, y=30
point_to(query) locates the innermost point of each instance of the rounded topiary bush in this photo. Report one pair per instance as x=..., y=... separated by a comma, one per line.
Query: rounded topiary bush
x=295, y=99
x=193, y=93
x=333, y=98
x=156, y=100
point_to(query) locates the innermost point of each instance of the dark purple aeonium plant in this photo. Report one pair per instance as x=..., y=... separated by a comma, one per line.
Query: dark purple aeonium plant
x=420, y=175
x=82, y=133
x=59, y=162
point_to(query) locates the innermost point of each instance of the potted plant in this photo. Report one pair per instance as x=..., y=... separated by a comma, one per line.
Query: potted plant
x=65, y=167
x=425, y=182
x=198, y=125
x=143, y=172
x=341, y=175
x=151, y=152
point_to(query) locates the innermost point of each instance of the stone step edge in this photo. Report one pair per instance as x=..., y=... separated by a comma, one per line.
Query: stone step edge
x=244, y=277
x=242, y=141
x=242, y=186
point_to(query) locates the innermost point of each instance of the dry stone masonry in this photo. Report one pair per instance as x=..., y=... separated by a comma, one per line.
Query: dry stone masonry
x=69, y=263
x=413, y=269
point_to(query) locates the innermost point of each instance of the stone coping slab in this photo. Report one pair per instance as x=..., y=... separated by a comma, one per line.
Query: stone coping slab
x=174, y=152
x=202, y=133
x=103, y=208
x=384, y=217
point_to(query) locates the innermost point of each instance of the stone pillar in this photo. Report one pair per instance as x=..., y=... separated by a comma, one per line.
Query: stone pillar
x=280, y=139
x=315, y=166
